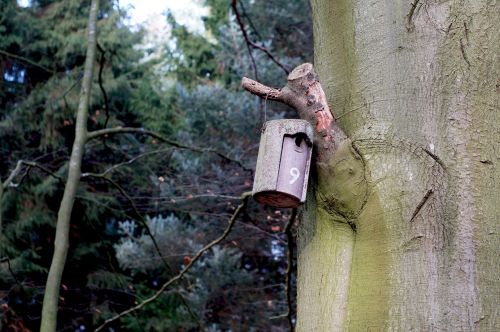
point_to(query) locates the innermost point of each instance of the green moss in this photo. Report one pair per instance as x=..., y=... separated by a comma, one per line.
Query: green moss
x=324, y=267
x=369, y=289
x=336, y=60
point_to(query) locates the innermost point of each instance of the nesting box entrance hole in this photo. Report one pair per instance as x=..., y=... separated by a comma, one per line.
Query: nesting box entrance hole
x=293, y=166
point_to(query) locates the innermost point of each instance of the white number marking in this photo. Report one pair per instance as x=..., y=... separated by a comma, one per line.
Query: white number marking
x=295, y=173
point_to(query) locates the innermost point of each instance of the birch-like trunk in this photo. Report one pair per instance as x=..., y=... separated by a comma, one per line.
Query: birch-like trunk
x=414, y=85
x=61, y=242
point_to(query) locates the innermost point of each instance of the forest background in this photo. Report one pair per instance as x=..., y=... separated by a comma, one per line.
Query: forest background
x=182, y=186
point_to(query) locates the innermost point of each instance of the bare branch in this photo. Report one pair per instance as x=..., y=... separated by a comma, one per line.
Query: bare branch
x=261, y=90
x=142, y=131
x=7, y=260
x=9, y=182
x=102, y=59
x=138, y=215
x=245, y=196
x=304, y=93
x=149, y=233
x=269, y=55
x=128, y=162
x=13, y=174
x=250, y=43
x=250, y=22
x=243, y=31
x=28, y=61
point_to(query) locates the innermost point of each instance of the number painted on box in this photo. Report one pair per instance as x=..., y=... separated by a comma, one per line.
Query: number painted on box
x=295, y=173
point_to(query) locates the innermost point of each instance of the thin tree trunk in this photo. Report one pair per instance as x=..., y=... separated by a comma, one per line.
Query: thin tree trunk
x=414, y=85
x=1, y=209
x=61, y=243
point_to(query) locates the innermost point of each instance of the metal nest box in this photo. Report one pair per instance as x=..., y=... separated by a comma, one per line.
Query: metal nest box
x=283, y=163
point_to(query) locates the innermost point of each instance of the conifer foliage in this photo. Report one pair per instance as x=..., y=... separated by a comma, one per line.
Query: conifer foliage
x=145, y=203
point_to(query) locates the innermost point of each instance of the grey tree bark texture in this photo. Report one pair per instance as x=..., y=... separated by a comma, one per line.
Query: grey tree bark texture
x=400, y=232
x=61, y=242
x=400, y=229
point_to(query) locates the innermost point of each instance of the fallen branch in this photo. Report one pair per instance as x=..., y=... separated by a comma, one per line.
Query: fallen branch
x=245, y=196
x=123, y=130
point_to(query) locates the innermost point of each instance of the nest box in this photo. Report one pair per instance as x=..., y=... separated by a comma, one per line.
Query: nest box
x=283, y=163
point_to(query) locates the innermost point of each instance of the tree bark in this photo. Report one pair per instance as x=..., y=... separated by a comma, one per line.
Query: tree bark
x=61, y=243
x=400, y=232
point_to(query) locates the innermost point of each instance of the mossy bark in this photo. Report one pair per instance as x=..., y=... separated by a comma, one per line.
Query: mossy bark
x=401, y=229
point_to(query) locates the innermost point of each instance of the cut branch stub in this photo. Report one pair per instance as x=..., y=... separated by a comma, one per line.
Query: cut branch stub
x=304, y=93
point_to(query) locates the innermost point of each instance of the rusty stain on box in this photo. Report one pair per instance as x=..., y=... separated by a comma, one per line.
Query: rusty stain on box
x=283, y=163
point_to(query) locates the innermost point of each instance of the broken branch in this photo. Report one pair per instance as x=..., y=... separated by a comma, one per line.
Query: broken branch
x=261, y=90
x=304, y=93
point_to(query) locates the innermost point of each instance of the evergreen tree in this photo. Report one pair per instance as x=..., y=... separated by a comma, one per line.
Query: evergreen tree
x=191, y=95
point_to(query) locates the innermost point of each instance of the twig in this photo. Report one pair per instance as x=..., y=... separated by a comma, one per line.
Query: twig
x=149, y=233
x=270, y=56
x=427, y=195
x=250, y=20
x=289, y=269
x=13, y=174
x=245, y=35
x=30, y=164
x=138, y=215
x=7, y=260
x=250, y=43
x=128, y=162
x=31, y=62
x=245, y=196
x=68, y=90
x=102, y=59
x=142, y=131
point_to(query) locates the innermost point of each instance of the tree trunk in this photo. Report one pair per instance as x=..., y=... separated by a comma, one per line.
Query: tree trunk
x=61, y=243
x=401, y=232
